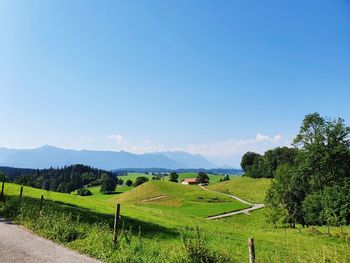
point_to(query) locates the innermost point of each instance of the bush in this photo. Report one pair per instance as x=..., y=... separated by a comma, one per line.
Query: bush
x=174, y=177
x=84, y=192
x=128, y=183
x=140, y=180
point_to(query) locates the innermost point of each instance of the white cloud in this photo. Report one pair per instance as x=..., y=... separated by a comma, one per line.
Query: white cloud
x=116, y=138
x=230, y=147
x=260, y=138
x=85, y=138
x=221, y=152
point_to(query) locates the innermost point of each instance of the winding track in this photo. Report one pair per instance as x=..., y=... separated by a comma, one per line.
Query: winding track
x=18, y=245
x=243, y=211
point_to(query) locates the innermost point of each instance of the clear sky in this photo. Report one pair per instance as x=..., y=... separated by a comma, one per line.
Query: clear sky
x=212, y=77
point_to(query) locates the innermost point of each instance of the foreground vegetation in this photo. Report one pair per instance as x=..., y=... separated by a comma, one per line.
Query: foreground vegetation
x=315, y=188
x=153, y=231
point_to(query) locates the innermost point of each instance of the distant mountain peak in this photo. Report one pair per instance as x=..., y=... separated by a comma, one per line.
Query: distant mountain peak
x=51, y=156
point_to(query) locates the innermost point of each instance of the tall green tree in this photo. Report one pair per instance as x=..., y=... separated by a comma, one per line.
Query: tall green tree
x=202, y=177
x=248, y=160
x=315, y=189
x=108, y=184
x=174, y=177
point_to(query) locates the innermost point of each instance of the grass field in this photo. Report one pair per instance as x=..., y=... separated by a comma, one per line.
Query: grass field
x=214, y=178
x=252, y=190
x=164, y=220
x=187, y=199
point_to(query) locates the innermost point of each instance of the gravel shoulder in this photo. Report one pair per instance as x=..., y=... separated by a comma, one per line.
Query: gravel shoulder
x=18, y=245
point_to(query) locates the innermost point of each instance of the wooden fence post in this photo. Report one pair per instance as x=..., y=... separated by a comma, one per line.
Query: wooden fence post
x=116, y=223
x=21, y=192
x=2, y=191
x=251, y=250
x=41, y=202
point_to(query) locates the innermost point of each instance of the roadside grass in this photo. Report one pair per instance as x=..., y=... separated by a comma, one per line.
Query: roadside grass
x=249, y=189
x=284, y=244
x=153, y=232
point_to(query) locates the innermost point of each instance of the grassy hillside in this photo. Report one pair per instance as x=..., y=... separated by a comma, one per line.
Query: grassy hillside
x=250, y=189
x=191, y=200
x=158, y=226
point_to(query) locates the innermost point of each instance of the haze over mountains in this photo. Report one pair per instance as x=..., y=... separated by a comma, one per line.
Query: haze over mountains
x=50, y=156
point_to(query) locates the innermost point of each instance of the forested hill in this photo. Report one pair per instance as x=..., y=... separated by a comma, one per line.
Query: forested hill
x=66, y=179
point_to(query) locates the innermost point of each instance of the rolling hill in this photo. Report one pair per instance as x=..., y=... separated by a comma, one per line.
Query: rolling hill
x=249, y=189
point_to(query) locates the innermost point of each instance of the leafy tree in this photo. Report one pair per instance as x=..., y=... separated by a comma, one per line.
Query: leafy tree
x=336, y=205
x=120, y=181
x=287, y=193
x=274, y=158
x=174, y=176
x=257, y=169
x=108, y=184
x=202, y=177
x=258, y=166
x=248, y=160
x=315, y=189
x=312, y=208
x=128, y=182
x=225, y=178
x=140, y=180
x=325, y=153
x=66, y=179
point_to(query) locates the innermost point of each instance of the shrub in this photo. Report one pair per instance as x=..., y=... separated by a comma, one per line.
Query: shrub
x=84, y=192
x=140, y=180
x=128, y=183
x=174, y=177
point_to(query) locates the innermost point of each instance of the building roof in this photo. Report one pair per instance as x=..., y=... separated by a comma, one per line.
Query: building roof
x=190, y=180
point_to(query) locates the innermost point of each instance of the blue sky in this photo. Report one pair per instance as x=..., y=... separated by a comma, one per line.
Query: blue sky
x=212, y=77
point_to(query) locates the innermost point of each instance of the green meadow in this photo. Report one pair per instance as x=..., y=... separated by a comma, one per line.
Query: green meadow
x=214, y=178
x=249, y=189
x=157, y=215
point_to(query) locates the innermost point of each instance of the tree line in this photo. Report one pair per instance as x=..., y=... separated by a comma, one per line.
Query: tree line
x=64, y=180
x=311, y=182
x=264, y=166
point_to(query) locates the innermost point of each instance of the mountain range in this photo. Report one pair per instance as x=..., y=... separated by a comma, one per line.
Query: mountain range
x=50, y=156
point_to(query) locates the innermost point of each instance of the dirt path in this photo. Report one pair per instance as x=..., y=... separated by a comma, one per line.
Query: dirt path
x=153, y=198
x=18, y=245
x=243, y=211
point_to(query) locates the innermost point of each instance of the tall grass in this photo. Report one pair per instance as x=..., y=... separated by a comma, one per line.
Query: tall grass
x=156, y=234
x=91, y=233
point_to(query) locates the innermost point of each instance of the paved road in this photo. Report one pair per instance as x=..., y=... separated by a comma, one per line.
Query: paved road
x=244, y=211
x=18, y=245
